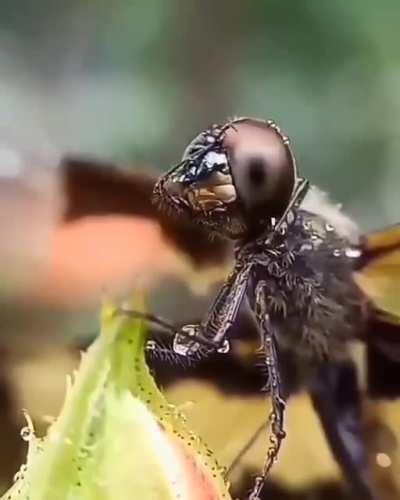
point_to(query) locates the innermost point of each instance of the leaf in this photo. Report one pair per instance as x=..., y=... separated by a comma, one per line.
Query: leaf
x=116, y=436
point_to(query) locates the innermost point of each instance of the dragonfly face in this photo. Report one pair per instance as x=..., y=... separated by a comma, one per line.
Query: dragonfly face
x=233, y=178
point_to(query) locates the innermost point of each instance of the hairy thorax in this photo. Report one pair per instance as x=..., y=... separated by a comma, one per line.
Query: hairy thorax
x=304, y=284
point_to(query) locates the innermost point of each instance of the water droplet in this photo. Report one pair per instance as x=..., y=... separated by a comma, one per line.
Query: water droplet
x=306, y=247
x=189, y=331
x=225, y=347
x=290, y=217
x=337, y=252
x=151, y=345
x=282, y=229
x=383, y=460
x=19, y=475
x=27, y=433
x=353, y=253
x=184, y=347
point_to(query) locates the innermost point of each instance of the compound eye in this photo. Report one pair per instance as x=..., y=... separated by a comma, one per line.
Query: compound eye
x=262, y=167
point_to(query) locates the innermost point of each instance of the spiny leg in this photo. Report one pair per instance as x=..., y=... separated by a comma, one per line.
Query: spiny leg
x=234, y=372
x=275, y=389
x=276, y=418
x=225, y=308
x=209, y=336
x=189, y=333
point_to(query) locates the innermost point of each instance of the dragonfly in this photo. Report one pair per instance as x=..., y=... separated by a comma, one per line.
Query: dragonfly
x=300, y=286
x=312, y=284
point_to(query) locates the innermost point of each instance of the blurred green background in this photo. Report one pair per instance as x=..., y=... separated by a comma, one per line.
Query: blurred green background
x=134, y=81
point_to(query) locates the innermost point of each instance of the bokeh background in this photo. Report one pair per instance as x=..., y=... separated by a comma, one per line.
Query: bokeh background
x=132, y=82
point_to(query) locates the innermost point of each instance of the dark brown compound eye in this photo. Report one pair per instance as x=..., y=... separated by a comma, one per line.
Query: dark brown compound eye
x=262, y=166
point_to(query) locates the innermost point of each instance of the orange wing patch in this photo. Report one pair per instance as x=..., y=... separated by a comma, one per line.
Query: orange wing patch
x=379, y=272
